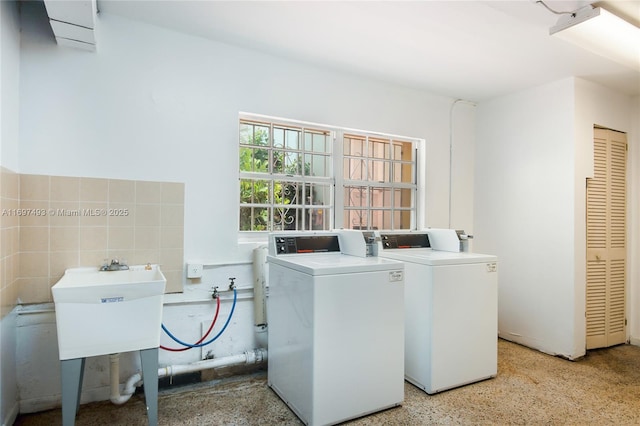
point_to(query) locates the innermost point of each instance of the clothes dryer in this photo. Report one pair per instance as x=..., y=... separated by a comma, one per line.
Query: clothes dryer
x=336, y=326
x=451, y=312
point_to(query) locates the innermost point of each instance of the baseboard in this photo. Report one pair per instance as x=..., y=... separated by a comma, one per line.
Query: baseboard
x=634, y=341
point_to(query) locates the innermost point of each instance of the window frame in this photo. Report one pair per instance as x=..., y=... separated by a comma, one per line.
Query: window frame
x=336, y=179
x=387, y=160
x=279, y=176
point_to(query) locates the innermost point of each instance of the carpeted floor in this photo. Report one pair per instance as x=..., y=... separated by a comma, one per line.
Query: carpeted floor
x=531, y=388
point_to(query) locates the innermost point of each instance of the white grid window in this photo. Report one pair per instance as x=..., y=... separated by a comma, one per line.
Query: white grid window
x=285, y=177
x=300, y=176
x=379, y=176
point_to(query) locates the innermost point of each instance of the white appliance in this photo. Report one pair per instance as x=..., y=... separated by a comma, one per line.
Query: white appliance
x=451, y=312
x=336, y=326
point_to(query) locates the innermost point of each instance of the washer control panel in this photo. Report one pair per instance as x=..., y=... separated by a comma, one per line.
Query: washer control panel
x=306, y=244
x=405, y=241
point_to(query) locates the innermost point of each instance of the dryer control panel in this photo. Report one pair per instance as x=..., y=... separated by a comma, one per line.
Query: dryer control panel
x=306, y=244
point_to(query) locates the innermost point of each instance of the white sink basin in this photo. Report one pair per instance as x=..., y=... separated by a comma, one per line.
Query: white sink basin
x=105, y=312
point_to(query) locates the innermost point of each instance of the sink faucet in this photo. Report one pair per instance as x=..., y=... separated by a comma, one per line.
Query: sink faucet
x=114, y=266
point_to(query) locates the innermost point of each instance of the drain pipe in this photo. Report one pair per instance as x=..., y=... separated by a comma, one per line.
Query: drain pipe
x=255, y=356
x=114, y=372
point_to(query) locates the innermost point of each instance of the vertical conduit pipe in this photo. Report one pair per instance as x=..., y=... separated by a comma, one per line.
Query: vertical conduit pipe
x=259, y=283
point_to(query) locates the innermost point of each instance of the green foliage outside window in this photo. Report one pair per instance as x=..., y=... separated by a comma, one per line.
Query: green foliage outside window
x=254, y=157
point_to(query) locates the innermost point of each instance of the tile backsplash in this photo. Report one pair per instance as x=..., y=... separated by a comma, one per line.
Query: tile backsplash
x=9, y=240
x=66, y=222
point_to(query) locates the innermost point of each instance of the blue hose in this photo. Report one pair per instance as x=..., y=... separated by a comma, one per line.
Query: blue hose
x=233, y=307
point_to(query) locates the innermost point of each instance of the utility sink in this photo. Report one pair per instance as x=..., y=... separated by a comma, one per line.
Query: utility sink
x=104, y=312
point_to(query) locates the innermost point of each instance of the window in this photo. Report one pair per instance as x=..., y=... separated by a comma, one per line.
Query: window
x=285, y=177
x=299, y=176
x=379, y=183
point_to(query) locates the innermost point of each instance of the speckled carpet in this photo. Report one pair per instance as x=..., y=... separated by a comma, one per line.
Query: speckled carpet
x=531, y=388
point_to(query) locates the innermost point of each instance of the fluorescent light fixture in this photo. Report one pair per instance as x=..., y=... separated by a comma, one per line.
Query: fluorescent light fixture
x=601, y=32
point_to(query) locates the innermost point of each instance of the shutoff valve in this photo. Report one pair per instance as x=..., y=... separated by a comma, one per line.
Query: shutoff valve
x=214, y=293
x=232, y=284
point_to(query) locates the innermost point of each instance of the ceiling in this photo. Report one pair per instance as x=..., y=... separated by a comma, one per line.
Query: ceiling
x=472, y=50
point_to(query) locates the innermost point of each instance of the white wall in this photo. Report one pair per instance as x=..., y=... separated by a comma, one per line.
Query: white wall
x=9, y=83
x=523, y=205
x=154, y=104
x=158, y=105
x=534, y=151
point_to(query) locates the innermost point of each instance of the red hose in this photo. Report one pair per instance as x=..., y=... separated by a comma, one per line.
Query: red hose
x=215, y=318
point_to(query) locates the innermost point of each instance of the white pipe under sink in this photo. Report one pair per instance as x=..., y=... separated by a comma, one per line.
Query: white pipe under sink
x=249, y=357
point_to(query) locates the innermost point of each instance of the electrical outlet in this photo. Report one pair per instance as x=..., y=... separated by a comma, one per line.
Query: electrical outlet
x=194, y=270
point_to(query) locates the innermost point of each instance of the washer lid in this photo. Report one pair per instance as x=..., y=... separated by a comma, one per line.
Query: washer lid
x=435, y=258
x=331, y=264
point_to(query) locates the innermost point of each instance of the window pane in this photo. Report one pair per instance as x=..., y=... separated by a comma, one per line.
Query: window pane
x=254, y=160
x=317, y=219
x=381, y=219
x=254, y=218
x=397, y=151
x=317, y=165
x=403, y=172
x=321, y=142
x=378, y=148
x=287, y=219
x=402, y=151
x=292, y=163
x=254, y=191
x=402, y=219
x=277, y=164
x=278, y=137
x=286, y=193
x=286, y=162
x=380, y=197
x=318, y=194
x=403, y=198
x=354, y=146
x=246, y=160
x=379, y=171
x=317, y=141
x=356, y=219
x=286, y=138
x=355, y=196
x=292, y=139
x=254, y=134
x=355, y=168
x=308, y=141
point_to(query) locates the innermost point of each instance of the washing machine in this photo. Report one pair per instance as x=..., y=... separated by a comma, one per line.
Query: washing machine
x=336, y=326
x=451, y=310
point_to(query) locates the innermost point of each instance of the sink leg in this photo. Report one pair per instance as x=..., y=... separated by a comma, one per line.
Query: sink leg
x=72, y=372
x=149, y=358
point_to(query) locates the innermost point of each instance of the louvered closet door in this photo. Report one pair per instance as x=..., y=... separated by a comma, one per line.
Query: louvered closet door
x=607, y=241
